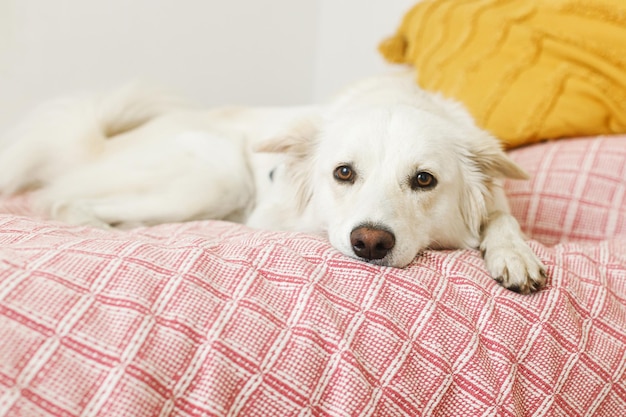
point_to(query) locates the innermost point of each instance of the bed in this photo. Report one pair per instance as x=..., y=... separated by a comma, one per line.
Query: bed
x=211, y=318
x=215, y=319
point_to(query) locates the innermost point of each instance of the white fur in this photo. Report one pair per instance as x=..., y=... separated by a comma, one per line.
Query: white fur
x=138, y=159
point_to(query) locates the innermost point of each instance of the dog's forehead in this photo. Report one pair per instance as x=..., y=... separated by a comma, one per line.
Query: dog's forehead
x=392, y=131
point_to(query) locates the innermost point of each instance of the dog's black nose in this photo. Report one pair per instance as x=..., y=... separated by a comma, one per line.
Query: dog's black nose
x=371, y=242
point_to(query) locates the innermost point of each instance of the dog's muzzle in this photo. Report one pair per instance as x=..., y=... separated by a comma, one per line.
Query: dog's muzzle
x=371, y=242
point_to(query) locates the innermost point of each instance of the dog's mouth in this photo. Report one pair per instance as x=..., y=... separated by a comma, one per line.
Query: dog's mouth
x=377, y=262
x=390, y=261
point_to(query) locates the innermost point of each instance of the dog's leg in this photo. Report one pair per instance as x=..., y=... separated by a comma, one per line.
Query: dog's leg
x=508, y=257
x=149, y=208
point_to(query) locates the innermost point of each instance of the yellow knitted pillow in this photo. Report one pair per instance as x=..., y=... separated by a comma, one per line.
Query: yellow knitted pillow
x=527, y=70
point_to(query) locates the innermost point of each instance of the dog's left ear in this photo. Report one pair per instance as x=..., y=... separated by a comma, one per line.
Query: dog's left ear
x=492, y=160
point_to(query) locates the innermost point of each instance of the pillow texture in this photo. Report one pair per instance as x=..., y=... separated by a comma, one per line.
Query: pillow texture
x=527, y=70
x=576, y=191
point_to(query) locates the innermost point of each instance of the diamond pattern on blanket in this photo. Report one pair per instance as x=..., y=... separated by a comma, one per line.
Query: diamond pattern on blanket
x=213, y=318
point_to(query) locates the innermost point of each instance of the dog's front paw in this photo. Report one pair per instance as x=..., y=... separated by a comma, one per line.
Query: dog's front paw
x=508, y=258
x=514, y=265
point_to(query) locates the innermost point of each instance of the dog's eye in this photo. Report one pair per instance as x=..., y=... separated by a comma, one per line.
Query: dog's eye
x=344, y=173
x=423, y=180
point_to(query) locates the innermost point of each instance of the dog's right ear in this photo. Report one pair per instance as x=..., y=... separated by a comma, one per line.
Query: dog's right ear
x=296, y=141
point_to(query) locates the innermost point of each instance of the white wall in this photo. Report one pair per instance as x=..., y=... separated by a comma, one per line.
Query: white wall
x=349, y=32
x=231, y=51
x=216, y=52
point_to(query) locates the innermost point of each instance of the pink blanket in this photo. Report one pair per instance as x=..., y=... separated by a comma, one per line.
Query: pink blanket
x=213, y=318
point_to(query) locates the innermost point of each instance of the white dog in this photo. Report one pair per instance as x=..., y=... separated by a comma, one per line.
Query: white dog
x=386, y=171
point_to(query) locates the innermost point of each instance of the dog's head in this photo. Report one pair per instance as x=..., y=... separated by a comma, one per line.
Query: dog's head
x=387, y=182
